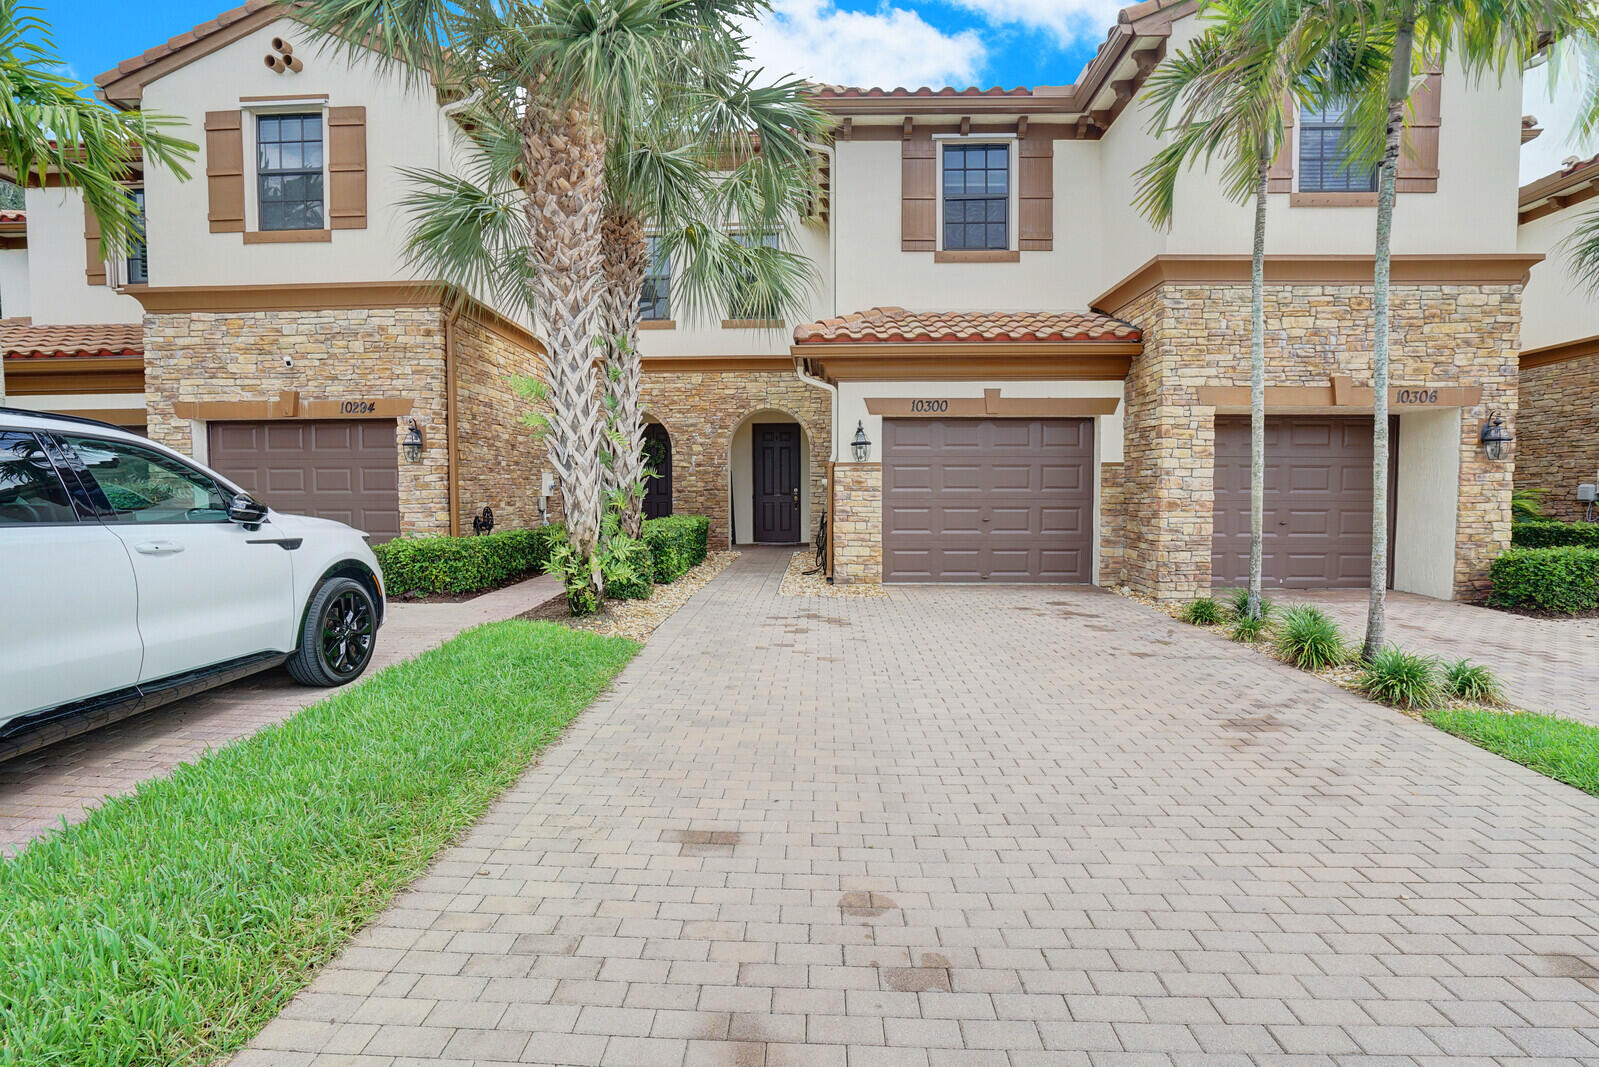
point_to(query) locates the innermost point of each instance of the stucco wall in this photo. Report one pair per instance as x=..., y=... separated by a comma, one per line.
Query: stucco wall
x=380, y=352
x=14, y=289
x=1193, y=337
x=1557, y=433
x=701, y=412
x=58, y=289
x=1558, y=306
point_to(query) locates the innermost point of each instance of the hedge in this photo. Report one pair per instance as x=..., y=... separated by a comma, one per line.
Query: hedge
x=1564, y=580
x=427, y=565
x=1550, y=533
x=677, y=543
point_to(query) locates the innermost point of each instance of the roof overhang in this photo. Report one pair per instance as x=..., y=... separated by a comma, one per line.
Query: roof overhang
x=970, y=361
x=1563, y=352
x=1558, y=191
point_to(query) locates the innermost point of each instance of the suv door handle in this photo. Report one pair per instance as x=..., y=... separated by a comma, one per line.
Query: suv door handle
x=158, y=548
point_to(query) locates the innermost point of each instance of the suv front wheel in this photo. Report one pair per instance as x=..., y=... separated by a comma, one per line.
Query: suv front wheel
x=338, y=635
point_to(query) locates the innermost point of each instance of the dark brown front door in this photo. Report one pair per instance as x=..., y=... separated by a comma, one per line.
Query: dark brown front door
x=1318, y=502
x=658, y=458
x=998, y=500
x=777, y=483
x=346, y=469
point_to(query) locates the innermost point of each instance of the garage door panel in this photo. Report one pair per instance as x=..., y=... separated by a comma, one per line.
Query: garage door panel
x=1317, y=508
x=1009, y=500
x=345, y=470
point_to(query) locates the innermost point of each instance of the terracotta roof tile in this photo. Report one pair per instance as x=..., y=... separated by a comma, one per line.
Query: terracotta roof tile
x=21, y=339
x=13, y=215
x=181, y=40
x=892, y=325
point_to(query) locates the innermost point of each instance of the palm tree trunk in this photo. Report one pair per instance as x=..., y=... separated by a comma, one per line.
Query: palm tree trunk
x=1257, y=390
x=563, y=175
x=1398, y=92
x=626, y=255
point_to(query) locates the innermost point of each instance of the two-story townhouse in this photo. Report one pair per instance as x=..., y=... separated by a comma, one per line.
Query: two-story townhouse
x=1557, y=448
x=1010, y=375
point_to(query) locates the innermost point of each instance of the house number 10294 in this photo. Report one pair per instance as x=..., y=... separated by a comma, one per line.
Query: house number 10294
x=1417, y=396
x=930, y=405
x=356, y=407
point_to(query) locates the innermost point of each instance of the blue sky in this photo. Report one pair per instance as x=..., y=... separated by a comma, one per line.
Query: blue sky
x=903, y=42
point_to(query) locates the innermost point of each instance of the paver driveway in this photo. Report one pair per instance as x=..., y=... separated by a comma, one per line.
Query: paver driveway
x=69, y=778
x=981, y=826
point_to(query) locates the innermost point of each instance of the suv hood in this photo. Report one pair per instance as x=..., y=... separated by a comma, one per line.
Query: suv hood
x=304, y=524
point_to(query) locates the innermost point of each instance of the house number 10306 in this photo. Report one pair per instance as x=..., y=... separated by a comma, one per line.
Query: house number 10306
x=1417, y=396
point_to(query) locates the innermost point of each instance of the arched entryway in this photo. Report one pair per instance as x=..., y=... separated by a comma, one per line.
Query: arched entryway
x=657, y=459
x=769, y=476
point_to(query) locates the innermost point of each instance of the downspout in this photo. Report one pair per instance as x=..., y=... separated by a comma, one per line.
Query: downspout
x=452, y=312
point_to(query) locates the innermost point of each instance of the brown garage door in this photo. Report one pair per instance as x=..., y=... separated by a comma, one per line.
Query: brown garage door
x=337, y=469
x=1317, y=508
x=999, y=500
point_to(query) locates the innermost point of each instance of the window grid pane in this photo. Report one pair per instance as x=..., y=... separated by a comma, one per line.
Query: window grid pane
x=976, y=197
x=138, y=253
x=289, y=171
x=1324, y=166
x=655, y=301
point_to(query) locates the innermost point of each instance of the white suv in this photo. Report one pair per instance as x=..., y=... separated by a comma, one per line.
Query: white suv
x=131, y=576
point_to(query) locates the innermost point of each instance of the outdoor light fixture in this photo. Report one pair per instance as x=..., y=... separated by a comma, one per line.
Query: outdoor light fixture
x=413, y=443
x=861, y=446
x=1495, y=438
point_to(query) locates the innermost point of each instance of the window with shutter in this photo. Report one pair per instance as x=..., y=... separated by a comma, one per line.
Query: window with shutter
x=94, y=258
x=347, y=168
x=918, y=220
x=224, y=170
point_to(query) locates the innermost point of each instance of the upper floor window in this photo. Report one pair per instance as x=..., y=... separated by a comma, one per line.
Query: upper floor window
x=1324, y=166
x=288, y=152
x=976, y=197
x=655, y=302
x=138, y=265
x=748, y=300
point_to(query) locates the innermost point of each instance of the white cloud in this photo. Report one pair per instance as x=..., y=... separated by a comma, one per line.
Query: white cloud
x=889, y=47
x=1068, y=21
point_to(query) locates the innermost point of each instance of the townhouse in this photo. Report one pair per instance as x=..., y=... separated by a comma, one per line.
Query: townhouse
x=1006, y=374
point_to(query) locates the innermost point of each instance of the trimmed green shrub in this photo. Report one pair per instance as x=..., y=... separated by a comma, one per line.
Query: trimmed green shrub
x=1202, y=612
x=1564, y=580
x=1551, y=533
x=628, y=569
x=427, y=565
x=1472, y=683
x=1309, y=640
x=1250, y=630
x=677, y=544
x=1403, y=680
x=1238, y=603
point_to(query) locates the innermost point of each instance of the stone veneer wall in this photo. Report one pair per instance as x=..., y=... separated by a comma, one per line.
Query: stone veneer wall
x=857, y=523
x=1557, y=433
x=1199, y=335
x=500, y=462
x=338, y=354
x=1112, y=523
x=701, y=410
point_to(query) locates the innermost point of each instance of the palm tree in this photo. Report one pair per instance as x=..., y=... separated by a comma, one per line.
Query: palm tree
x=1229, y=90
x=1483, y=37
x=48, y=122
x=577, y=111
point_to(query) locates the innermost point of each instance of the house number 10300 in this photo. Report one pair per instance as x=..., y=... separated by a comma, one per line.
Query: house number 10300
x=930, y=405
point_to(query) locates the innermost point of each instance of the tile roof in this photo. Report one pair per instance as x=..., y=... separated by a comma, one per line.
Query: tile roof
x=13, y=215
x=21, y=339
x=182, y=40
x=892, y=325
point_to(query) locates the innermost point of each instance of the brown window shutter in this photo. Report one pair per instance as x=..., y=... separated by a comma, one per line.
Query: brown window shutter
x=224, y=170
x=94, y=259
x=347, y=168
x=1418, y=151
x=1035, y=193
x=1280, y=179
x=918, y=209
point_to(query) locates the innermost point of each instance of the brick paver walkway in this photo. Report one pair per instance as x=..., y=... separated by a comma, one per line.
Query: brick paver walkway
x=64, y=781
x=980, y=826
x=1547, y=665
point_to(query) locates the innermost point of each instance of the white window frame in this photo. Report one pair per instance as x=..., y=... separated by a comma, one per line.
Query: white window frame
x=251, y=112
x=1012, y=193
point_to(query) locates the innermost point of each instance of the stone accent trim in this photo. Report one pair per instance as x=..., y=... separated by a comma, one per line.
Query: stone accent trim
x=857, y=523
x=1557, y=443
x=1112, y=523
x=498, y=460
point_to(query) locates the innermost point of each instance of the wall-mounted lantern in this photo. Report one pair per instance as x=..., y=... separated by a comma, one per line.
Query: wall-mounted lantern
x=1495, y=438
x=413, y=444
x=861, y=447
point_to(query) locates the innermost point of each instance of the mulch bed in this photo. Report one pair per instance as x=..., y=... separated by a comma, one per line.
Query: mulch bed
x=637, y=619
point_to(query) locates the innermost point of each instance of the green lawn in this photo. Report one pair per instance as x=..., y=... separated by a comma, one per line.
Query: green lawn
x=174, y=923
x=1564, y=750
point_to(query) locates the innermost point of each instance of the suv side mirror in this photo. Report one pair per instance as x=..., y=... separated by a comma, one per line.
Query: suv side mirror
x=246, y=511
